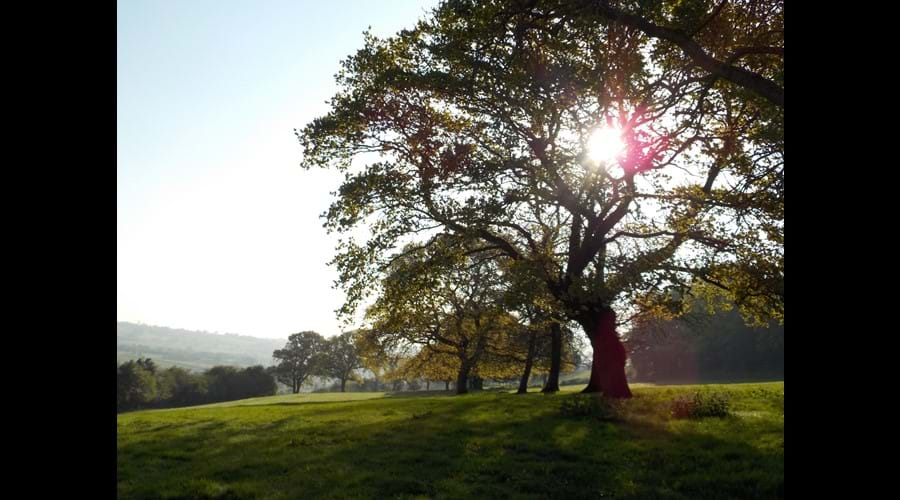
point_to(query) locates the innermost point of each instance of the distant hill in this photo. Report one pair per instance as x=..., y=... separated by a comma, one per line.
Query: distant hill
x=189, y=349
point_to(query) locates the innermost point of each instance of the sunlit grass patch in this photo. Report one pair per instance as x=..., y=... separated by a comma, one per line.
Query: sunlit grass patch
x=492, y=444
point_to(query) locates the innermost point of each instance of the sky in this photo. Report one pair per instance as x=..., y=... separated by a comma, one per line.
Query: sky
x=217, y=226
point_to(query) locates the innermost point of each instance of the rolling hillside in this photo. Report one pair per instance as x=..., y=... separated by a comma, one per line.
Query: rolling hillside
x=191, y=349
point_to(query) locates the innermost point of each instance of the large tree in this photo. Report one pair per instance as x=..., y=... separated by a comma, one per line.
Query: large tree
x=740, y=41
x=479, y=124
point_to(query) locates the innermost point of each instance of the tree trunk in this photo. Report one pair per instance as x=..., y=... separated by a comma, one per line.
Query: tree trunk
x=555, y=358
x=446, y=385
x=343, y=384
x=608, y=366
x=462, y=379
x=523, y=382
x=427, y=385
x=477, y=383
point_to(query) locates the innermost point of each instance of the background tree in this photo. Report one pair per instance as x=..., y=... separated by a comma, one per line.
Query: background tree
x=444, y=300
x=300, y=358
x=256, y=381
x=374, y=355
x=228, y=383
x=527, y=295
x=699, y=347
x=136, y=385
x=559, y=350
x=181, y=387
x=341, y=358
x=431, y=365
x=482, y=116
x=221, y=382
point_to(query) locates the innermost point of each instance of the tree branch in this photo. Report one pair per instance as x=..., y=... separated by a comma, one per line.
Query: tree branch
x=749, y=80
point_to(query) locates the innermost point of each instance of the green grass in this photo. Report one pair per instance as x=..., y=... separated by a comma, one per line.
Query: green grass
x=434, y=445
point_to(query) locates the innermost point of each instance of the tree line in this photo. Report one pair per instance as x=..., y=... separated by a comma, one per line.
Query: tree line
x=356, y=357
x=503, y=352
x=699, y=347
x=469, y=344
x=141, y=384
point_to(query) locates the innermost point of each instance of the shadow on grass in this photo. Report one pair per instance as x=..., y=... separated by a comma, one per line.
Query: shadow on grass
x=418, y=394
x=467, y=447
x=425, y=394
x=299, y=403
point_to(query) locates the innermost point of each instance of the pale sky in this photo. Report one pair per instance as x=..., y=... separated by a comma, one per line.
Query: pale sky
x=217, y=226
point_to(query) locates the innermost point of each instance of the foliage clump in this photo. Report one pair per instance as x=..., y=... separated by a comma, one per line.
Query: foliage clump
x=699, y=405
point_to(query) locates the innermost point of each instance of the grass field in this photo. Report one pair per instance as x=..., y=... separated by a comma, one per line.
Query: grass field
x=434, y=445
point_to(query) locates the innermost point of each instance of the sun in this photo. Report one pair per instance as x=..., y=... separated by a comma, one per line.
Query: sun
x=605, y=144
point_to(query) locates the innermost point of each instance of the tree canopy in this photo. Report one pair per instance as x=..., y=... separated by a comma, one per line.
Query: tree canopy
x=476, y=124
x=340, y=359
x=300, y=358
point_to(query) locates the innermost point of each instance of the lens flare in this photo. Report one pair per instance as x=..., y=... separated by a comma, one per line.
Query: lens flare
x=605, y=144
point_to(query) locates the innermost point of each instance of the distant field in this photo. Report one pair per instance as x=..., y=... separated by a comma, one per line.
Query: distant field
x=436, y=445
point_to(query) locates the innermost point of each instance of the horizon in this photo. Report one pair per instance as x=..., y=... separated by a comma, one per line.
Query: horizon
x=141, y=323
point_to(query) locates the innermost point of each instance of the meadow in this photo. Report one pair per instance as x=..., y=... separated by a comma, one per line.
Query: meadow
x=491, y=444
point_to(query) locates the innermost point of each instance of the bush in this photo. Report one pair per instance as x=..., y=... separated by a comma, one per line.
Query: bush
x=589, y=405
x=699, y=405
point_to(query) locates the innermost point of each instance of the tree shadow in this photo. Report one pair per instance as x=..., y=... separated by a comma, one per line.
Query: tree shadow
x=300, y=403
x=418, y=394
